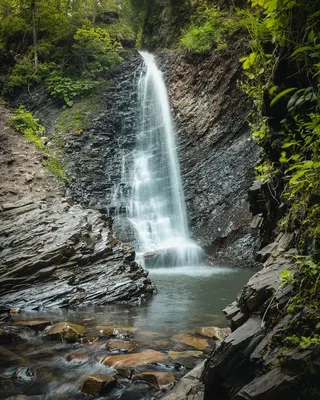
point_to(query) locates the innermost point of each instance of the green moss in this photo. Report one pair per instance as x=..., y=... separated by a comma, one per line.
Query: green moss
x=78, y=118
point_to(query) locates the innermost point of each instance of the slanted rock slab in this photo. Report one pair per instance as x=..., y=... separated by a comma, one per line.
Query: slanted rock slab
x=36, y=325
x=198, y=343
x=134, y=359
x=98, y=384
x=213, y=332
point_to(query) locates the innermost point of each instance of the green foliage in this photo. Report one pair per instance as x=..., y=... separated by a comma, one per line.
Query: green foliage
x=96, y=51
x=59, y=38
x=24, y=122
x=67, y=89
x=209, y=26
x=55, y=165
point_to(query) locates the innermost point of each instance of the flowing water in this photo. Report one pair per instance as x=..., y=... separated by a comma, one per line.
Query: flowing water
x=157, y=207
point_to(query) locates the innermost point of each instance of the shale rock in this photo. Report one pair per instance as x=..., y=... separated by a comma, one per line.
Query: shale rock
x=62, y=256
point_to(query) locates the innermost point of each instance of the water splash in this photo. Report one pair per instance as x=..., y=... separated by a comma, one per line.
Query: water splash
x=157, y=207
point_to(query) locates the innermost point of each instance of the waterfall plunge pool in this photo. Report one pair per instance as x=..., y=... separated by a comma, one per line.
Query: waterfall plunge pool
x=188, y=298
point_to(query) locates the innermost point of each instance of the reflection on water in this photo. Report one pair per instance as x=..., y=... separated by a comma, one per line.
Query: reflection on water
x=188, y=298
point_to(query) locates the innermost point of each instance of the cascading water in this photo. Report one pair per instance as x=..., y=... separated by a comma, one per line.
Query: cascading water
x=157, y=208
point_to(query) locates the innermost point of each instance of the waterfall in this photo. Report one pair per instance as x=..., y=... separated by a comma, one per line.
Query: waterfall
x=157, y=208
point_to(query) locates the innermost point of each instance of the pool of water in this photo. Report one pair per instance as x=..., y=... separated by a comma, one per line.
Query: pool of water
x=188, y=298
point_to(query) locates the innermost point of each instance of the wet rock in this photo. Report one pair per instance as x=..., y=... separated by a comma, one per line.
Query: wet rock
x=198, y=343
x=125, y=372
x=25, y=374
x=78, y=358
x=159, y=379
x=36, y=325
x=218, y=374
x=189, y=387
x=98, y=384
x=59, y=255
x=270, y=386
x=9, y=334
x=213, y=332
x=175, y=355
x=231, y=310
x=121, y=345
x=134, y=359
x=124, y=332
x=65, y=331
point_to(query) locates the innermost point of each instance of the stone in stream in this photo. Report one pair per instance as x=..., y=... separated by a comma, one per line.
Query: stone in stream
x=159, y=379
x=121, y=345
x=175, y=355
x=65, y=331
x=98, y=384
x=198, y=343
x=78, y=358
x=134, y=359
x=213, y=332
x=36, y=325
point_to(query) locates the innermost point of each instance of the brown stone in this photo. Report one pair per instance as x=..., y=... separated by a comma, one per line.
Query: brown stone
x=174, y=355
x=213, y=332
x=36, y=325
x=121, y=345
x=159, y=379
x=64, y=331
x=198, y=343
x=134, y=359
x=98, y=384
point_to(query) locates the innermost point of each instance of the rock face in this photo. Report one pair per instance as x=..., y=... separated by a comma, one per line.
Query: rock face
x=64, y=256
x=253, y=362
x=216, y=152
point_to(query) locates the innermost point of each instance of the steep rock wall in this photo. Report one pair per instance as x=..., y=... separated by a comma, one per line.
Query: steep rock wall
x=216, y=151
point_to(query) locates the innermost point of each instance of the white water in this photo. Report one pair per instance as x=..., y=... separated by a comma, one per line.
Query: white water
x=157, y=207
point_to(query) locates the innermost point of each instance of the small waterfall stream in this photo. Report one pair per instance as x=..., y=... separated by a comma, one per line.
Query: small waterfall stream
x=157, y=208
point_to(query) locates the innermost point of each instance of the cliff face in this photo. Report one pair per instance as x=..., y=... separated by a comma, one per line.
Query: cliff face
x=216, y=152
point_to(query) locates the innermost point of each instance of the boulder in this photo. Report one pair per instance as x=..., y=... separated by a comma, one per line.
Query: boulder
x=98, y=384
x=159, y=379
x=65, y=331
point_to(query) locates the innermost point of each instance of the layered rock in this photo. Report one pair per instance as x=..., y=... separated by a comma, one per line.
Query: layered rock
x=64, y=256
x=216, y=151
x=254, y=362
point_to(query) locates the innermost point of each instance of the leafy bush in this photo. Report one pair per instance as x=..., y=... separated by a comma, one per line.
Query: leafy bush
x=209, y=26
x=95, y=51
x=67, y=89
x=24, y=122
